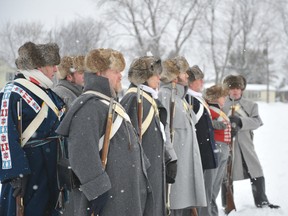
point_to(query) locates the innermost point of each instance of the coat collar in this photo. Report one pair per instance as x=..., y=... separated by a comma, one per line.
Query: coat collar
x=76, y=89
x=97, y=83
x=180, y=89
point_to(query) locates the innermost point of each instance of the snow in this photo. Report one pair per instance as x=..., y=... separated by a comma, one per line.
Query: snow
x=271, y=143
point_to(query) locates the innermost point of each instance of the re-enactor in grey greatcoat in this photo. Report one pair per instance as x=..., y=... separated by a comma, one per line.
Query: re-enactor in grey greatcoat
x=144, y=73
x=120, y=189
x=188, y=190
x=70, y=77
x=70, y=83
x=246, y=163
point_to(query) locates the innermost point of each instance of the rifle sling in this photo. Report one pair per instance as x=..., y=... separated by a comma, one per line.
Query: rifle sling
x=40, y=93
x=34, y=125
x=117, y=108
x=152, y=111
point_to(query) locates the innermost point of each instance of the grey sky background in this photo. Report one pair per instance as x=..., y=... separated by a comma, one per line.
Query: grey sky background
x=48, y=12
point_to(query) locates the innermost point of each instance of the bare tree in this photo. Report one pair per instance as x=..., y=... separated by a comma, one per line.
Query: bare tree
x=12, y=36
x=158, y=26
x=186, y=16
x=80, y=36
x=223, y=31
x=142, y=21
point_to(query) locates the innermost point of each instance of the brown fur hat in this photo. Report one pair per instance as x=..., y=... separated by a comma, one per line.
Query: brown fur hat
x=99, y=60
x=195, y=73
x=32, y=56
x=50, y=54
x=29, y=57
x=173, y=67
x=69, y=65
x=141, y=69
x=79, y=63
x=65, y=67
x=235, y=81
x=214, y=92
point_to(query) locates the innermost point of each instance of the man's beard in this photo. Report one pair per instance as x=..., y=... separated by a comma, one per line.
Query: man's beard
x=181, y=81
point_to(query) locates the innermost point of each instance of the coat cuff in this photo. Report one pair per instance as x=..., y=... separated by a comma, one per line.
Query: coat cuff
x=96, y=187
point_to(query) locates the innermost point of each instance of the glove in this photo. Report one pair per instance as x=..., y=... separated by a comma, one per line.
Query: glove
x=236, y=124
x=235, y=121
x=218, y=125
x=19, y=186
x=171, y=171
x=97, y=204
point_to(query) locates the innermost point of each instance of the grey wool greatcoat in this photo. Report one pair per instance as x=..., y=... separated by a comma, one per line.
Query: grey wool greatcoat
x=125, y=176
x=243, y=146
x=188, y=190
x=67, y=91
x=153, y=145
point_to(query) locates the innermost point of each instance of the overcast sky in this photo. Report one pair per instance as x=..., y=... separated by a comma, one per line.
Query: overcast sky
x=48, y=12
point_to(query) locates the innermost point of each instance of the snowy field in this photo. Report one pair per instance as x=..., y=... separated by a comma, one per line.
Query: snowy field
x=271, y=141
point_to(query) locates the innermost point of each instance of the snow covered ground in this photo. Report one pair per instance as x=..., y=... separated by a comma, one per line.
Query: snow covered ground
x=271, y=141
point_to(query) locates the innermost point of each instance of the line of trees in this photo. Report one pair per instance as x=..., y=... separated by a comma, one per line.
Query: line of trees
x=221, y=36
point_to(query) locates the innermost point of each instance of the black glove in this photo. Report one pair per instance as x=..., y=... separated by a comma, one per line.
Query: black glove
x=236, y=124
x=235, y=121
x=19, y=185
x=171, y=171
x=97, y=204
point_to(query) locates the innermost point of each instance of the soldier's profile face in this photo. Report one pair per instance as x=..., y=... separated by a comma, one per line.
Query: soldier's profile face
x=183, y=79
x=114, y=78
x=154, y=81
x=49, y=71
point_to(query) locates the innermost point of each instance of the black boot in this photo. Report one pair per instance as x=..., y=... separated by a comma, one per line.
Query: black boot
x=259, y=194
x=267, y=205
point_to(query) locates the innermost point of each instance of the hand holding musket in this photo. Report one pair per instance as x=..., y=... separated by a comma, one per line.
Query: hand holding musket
x=139, y=111
x=230, y=205
x=107, y=134
x=19, y=198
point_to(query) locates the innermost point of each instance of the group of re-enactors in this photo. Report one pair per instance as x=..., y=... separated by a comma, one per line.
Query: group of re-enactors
x=161, y=149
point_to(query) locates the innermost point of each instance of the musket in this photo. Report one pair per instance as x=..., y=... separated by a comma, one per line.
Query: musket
x=230, y=205
x=172, y=110
x=19, y=198
x=106, y=141
x=139, y=111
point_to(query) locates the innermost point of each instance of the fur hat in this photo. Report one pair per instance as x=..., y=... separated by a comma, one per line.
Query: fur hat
x=195, y=73
x=235, y=81
x=99, y=60
x=69, y=65
x=214, y=92
x=65, y=67
x=141, y=69
x=173, y=67
x=29, y=57
x=78, y=63
x=49, y=53
x=32, y=56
